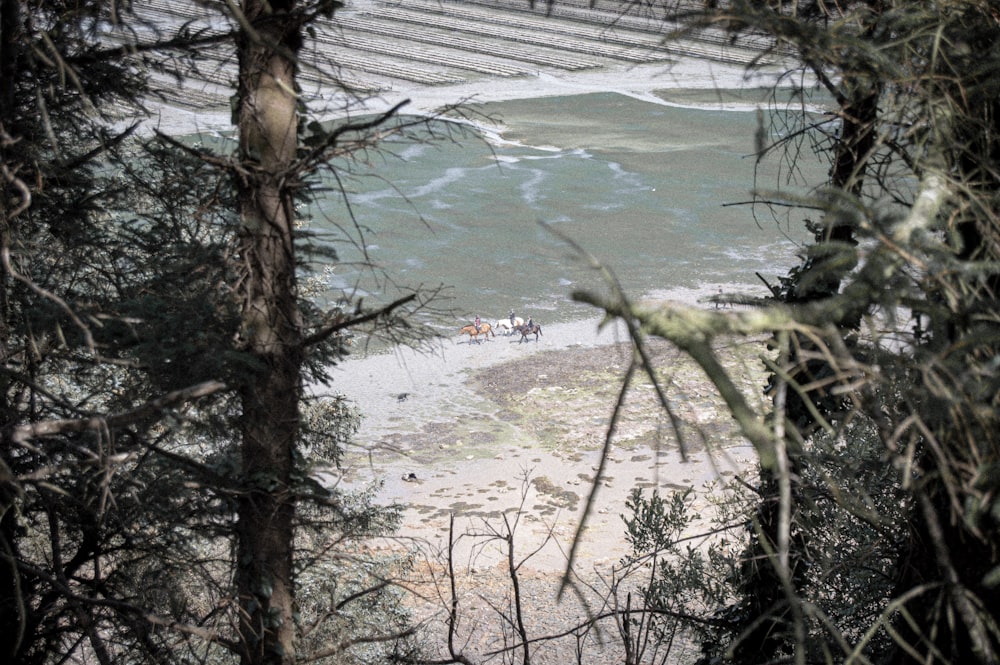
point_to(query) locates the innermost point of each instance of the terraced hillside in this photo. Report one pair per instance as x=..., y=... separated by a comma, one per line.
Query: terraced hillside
x=378, y=46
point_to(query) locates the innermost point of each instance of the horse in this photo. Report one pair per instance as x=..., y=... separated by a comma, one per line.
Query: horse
x=526, y=330
x=485, y=330
x=505, y=325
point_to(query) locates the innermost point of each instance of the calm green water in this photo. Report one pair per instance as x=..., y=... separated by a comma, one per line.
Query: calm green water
x=643, y=186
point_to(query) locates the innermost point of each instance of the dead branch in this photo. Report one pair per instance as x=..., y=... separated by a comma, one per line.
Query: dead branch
x=342, y=323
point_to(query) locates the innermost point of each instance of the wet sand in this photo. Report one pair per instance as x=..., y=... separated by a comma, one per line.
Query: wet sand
x=477, y=432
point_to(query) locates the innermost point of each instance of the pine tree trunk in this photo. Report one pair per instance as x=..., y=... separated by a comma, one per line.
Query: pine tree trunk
x=271, y=329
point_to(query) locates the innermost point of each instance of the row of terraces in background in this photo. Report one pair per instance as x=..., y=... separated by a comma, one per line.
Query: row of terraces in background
x=378, y=46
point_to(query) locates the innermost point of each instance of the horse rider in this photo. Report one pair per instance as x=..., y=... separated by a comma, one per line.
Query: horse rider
x=529, y=323
x=477, y=323
x=512, y=318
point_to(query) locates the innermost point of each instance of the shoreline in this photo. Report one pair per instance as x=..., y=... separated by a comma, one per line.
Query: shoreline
x=375, y=381
x=686, y=83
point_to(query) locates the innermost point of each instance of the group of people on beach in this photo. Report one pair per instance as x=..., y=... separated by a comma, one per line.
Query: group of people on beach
x=516, y=325
x=513, y=322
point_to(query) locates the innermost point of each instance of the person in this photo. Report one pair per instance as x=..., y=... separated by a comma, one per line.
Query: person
x=512, y=317
x=529, y=324
x=477, y=323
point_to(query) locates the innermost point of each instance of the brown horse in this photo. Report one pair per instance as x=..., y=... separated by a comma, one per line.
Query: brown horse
x=485, y=330
x=525, y=330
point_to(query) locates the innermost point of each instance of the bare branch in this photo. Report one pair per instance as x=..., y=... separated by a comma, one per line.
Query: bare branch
x=316, y=154
x=453, y=608
x=342, y=323
x=63, y=305
x=512, y=568
x=10, y=175
x=599, y=474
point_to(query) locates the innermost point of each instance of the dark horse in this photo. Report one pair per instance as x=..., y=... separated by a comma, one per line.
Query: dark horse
x=526, y=329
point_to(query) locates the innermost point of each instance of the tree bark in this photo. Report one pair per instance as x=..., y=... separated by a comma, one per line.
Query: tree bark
x=271, y=328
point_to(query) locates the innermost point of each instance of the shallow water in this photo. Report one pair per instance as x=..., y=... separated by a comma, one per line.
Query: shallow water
x=642, y=185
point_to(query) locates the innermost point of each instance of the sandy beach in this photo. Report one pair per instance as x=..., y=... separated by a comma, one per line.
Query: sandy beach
x=505, y=427
x=478, y=442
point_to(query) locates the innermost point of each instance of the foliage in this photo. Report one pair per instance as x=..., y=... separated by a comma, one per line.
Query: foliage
x=152, y=333
x=875, y=535
x=123, y=343
x=686, y=570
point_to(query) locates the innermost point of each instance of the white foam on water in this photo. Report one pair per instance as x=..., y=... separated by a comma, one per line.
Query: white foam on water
x=449, y=177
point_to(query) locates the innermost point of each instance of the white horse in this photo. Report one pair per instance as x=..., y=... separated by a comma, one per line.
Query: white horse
x=505, y=326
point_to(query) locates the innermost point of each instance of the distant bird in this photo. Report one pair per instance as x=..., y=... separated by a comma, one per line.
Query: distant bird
x=410, y=477
x=401, y=397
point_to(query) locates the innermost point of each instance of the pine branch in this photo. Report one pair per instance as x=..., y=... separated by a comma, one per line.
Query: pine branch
x=21, y=434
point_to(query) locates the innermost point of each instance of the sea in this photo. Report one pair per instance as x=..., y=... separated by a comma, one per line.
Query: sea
x=526, y=201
